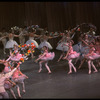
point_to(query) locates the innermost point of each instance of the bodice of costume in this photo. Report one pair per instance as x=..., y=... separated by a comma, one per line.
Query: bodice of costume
x=11, y=38
x=92, y=50
x=31, y=38
x=16, y=74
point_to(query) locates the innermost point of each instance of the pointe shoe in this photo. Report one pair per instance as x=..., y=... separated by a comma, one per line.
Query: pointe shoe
x=24, y=91
x=89, y=72
x=95, y=71
x=49, y=72
x=69, y=72
x=39, y=70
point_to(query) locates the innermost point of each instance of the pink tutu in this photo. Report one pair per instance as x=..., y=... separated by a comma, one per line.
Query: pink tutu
x=19, y=79
x=7, y=85
x=6, y=70
x=16, y=58
x=48, y=56
x=73, y=55
x=94, y=56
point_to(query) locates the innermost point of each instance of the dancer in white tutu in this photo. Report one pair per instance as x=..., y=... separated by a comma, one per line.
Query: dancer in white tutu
x=3, y=34
x=10, y=43
x=71, y=55
x=22, y=34
x=44, y=42
x=81, y=47
x=63, y=44
x=31, y=37
x=45, y=57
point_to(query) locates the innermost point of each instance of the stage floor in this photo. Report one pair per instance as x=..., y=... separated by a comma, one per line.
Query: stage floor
x=59, y=84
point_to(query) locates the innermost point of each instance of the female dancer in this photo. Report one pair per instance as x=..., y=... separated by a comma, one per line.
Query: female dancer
x=3, y=33
x=63, y=45
x=3, y=76
x=71, y=55
x=45, y=57
x=18, y=77
x=91, y=56
x=31, y=37
x=10, y=44
x=44, y=42
x=22, y=34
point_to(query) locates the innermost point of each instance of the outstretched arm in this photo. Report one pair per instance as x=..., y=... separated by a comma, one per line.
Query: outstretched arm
x=40, y=57
x=16, y=35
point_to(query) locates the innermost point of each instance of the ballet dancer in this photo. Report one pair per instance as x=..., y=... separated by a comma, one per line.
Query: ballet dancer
x=91, y=56
x=10, y=43
x=3, y=76
x=70, y=56
x=3, y=33
x=45, y=57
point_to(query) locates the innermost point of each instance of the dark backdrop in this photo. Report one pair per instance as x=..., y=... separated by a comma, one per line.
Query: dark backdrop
x=57, y=16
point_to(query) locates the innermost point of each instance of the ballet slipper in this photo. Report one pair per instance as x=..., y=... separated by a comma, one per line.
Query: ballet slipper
x=95, y=71
x=89, y=72
x=70, y=72
x=39, y=70
x=49, y=72
x=24, y=91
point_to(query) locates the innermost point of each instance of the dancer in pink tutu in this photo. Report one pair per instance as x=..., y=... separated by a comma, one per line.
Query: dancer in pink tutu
x=45, y=57
x=8, y=85
x=18, y=77
x=91, y=56
x=3, y=76
x=71, y=55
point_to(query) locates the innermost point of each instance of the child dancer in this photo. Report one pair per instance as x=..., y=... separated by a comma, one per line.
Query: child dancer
x=45, y=57
x=18, y=77
x=71, y=55
x=91, y=56
x=3, y=76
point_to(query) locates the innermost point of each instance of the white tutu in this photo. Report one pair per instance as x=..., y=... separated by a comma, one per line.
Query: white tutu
x=79, y=48
x=10, y=44
x=62, y=46
x=76, y=47
x=49, y=56
x=45, y=43
x=32, y=41
x=20, y=79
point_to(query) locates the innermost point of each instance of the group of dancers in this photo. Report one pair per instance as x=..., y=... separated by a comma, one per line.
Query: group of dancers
x=87, y=49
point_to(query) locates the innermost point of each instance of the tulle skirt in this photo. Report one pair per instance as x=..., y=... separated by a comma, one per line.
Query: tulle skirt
x=19, y=79
x=79, y=48
x=7, y=85
x=94, y=56
x=32, y=41
x=61, y=46
x=73, y=55
x=49, y=56
x=45, y=43
x=10, y=44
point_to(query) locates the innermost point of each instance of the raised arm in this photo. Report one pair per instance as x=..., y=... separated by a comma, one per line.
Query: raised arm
x=84, y=42
x=16, y=35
